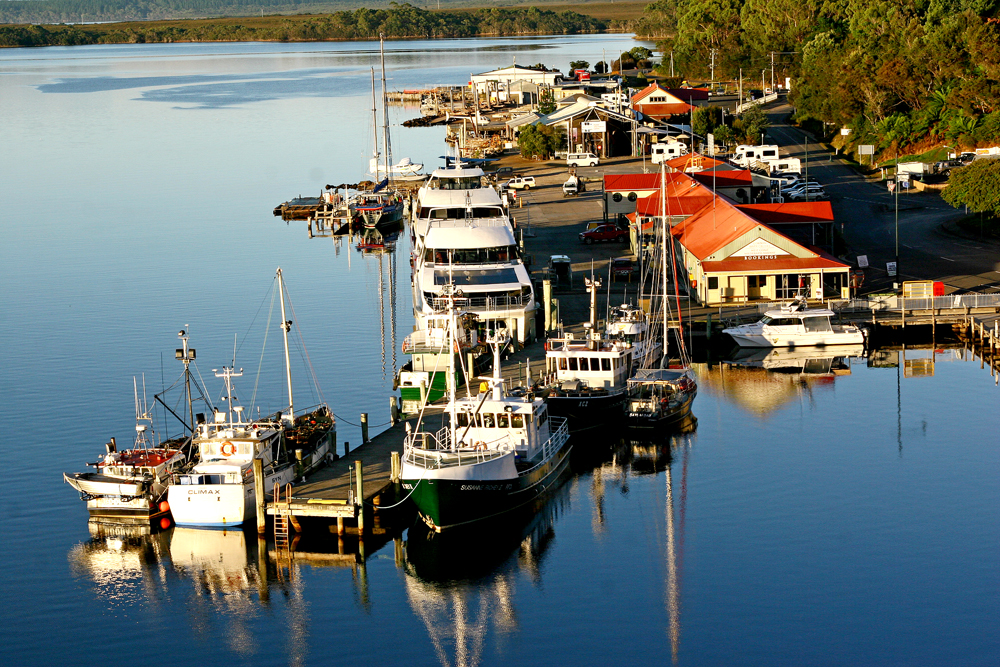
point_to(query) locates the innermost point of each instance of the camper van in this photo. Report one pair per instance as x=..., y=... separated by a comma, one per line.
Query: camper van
x=747, y=155
x=667, y=151
x=788, y=165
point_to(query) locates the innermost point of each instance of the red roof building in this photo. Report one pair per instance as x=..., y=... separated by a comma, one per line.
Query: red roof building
x=659, y=103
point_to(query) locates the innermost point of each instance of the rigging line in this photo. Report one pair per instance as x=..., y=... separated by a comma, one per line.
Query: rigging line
x=263, y=347
x=260, y=307
x=304, y=350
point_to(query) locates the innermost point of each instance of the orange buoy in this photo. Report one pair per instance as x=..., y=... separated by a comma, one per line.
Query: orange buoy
x=164, y=506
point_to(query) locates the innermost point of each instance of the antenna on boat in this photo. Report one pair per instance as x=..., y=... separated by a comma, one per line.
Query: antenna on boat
x=186, y=356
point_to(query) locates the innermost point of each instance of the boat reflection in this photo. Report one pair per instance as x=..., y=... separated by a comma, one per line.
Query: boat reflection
x=762, y=381
x=461, y=584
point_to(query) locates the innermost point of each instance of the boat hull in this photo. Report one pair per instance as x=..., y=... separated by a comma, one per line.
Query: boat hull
x=220, y=505
x=667, y=418
x=589, y=412
x=450, y=503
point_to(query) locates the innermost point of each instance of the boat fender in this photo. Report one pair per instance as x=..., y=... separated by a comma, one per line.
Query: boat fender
x=227, y=448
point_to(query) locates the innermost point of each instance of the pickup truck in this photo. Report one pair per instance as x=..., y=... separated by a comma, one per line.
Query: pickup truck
x=521, y=182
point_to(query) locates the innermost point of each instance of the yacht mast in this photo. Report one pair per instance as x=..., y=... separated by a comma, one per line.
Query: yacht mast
x=375, y=154
x=286, y=325
x=665, y=227
x=385, y=111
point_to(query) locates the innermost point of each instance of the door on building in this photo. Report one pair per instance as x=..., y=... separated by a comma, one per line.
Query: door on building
x=788, y=285
x=756, y=287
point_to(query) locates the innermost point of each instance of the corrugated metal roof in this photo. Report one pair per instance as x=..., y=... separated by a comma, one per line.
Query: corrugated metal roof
x=790, y=212
x=631, y=182
x=725, y=179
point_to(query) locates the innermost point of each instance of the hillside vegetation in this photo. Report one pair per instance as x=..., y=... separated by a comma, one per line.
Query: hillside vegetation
x=902, y=74
x=398, y=21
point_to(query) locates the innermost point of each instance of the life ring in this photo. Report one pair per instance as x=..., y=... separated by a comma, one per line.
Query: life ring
x=227, y=448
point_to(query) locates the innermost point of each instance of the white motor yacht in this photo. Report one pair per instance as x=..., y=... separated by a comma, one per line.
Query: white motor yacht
x=796, y=325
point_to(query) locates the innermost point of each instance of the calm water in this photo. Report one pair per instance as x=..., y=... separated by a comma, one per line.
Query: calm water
x=810, y=519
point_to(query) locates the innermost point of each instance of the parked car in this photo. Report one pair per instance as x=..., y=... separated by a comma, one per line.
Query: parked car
x=503, y=173
x=622, y=268
x=573, y=186
x=521, y=182
x=802, y=188
x=582, y=160
x=605, y=233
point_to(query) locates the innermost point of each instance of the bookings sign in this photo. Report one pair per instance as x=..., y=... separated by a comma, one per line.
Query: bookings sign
x=594, y=126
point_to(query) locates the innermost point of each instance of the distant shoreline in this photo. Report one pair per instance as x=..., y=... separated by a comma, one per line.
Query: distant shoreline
x=399, y=22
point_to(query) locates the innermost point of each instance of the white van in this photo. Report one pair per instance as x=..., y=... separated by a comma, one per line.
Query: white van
x=667, y=151
x=582, y=160
x=747, y=155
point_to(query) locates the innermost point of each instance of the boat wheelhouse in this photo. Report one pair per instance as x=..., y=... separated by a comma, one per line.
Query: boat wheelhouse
x=630, y=323
x=796, y=325
x=424, y=379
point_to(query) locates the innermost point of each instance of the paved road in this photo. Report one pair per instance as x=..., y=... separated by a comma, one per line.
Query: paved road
x=865, y=211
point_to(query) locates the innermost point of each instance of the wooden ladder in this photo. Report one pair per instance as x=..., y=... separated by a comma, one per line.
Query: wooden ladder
x=282, y=521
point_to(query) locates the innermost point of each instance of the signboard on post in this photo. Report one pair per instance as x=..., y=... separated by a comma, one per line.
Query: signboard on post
x=890, y=268
x=711, y=144
x=594, y=126
x=866, y=149
x=862, y=261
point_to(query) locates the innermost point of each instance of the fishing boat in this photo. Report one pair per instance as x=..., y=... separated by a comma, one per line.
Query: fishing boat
x=796, y=325
x=219, y=491
x=496, y=451
x=586, y=377
x=424, y=379
x=129, y=486
x=630, y=323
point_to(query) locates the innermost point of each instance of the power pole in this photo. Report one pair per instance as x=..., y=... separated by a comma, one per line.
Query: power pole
x=772, y=71
x=671, y=63
x=712, y=66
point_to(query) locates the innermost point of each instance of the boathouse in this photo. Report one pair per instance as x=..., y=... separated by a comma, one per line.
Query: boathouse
x=732, y=257
x=658, y=103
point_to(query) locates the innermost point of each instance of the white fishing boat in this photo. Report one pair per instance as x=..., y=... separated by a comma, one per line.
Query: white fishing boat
x=630, y=323
x=496, y=452
x=219, y=490
x=129, y=486
x=796, y=325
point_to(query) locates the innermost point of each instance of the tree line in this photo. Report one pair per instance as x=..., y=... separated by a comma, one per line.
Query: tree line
x=903, y=75
x=397, y=21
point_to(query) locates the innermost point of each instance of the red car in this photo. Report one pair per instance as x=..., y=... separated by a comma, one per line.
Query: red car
x=605, y=233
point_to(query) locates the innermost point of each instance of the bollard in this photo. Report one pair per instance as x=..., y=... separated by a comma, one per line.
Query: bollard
x=393, y=411
x=364, y=428
x=359, y=496
x=347, y=448
x=258, y=487
x=547, y=300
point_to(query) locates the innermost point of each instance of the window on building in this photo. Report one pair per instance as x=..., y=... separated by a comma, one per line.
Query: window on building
x=713, y=282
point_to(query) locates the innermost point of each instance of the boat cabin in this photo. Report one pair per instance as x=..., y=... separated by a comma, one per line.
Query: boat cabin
x=521, y=425
x=598, y=364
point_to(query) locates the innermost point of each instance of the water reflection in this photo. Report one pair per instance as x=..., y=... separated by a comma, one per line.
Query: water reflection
x=762, y=381
x=462, y=584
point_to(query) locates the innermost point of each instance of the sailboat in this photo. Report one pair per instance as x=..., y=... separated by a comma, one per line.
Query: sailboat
x=219, y=490
x=661, y=397
x=497, y=451
x=381, y=207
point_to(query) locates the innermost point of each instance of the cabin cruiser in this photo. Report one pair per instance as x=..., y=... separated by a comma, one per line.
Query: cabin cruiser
x=462, y=236
x=796, y=325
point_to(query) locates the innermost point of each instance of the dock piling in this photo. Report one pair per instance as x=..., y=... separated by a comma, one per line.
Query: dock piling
x=261, y=501
x=393, y=411
x=364, y=428
x=359, y=497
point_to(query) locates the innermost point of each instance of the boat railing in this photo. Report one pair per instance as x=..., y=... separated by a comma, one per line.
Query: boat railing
x=557, y=437
x=434, y=341
x=494, y=221
x=435, y=451
x=486, y=303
